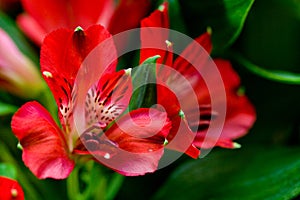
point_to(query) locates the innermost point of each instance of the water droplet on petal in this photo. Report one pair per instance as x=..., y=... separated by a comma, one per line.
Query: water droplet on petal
x=150, y=150
x=107, y=156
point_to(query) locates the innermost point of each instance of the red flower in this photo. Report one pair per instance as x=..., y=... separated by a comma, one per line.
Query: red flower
x=198, y=116
x=132, y=145
x=10, y=189
x=42, y=17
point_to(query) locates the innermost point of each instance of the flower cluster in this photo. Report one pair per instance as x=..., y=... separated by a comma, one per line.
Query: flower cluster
x=131, y=142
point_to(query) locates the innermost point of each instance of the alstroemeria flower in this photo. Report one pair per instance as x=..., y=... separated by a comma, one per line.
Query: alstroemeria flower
x=240, y=114
x=18, y=74
x=10, y=189
x=42, y=17
x=133, y=142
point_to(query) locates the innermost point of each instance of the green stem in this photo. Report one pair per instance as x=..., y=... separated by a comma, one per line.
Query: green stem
x=98, y=184
x=73, y=185
x=47, y=99
x=21, y=176
x=274, y=75
x=114, y=186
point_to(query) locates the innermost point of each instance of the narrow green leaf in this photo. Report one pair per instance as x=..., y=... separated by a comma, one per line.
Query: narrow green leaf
x=73, y=185
x=114, y=186
x=225, y=17
x=176, y=19
x=8, y=170
x=249, y=173
x=151, y=60
x=274, y=75
x=97, y=179
x=6, y=109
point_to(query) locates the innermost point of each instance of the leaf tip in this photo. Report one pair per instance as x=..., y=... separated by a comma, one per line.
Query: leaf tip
x=78, y=28
x=236, y=145
x=209, y=30
x=19, y=146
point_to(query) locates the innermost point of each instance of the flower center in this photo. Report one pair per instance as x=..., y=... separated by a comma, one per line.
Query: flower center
x=100, y=110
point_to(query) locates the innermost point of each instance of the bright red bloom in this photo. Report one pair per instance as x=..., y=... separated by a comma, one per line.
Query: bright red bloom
x=10, y=189
x=133, y=145
x=240, y=114
x=42, y=17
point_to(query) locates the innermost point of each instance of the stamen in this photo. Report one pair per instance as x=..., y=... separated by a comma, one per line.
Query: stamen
x=209, y=30
x=162, y=8
x=169, y=44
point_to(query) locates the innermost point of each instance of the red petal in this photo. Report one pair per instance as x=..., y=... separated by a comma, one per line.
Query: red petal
x=132, y=164
x=10, y=189
x=240, y=115
x=205, y=41
x=180, y=137
x=64, y=51
x=31, y=28
x=230, y=78
x=168, y=100
x=159, y=18
x=140, y=130
x=138, y=138
x=134, y=12
x=54, y=14
x=154, y=34
x=106, y=101
x=44, y=147
x=197, y=53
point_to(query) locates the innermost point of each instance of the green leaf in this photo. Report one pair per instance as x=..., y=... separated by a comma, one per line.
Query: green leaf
x=6, y=109
x=249, y=173
x=176, y=19
x=114, y=186
x=274, y=75
x=10, y=27
x=270, y=41
x=225, y=17
x=143, y=81
x=151, y=60
x=8, y=170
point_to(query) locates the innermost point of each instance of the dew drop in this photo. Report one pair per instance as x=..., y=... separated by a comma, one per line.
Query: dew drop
x=107, y=156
